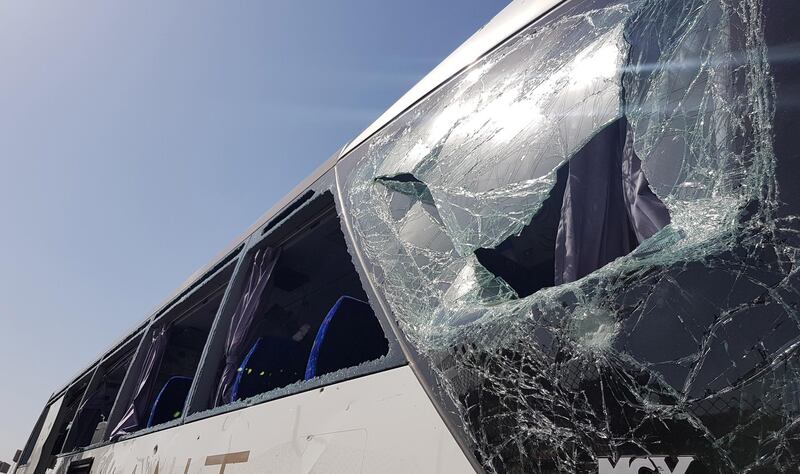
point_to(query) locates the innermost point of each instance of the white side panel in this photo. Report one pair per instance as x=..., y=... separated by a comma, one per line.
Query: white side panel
x=44, y=433
x=379, y=423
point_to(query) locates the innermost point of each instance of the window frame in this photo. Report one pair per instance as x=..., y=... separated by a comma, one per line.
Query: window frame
x=46, y=457
x=130, y=342
x=287, y=225
x=126, y=349
x=27, y=450
x=279, y=230
x=165, y=316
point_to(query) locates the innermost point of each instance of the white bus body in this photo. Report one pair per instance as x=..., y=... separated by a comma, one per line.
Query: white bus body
x=563, y=250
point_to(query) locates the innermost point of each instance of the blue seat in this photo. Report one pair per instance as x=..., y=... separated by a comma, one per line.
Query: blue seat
x=272, y=362
x=349, y=335
x=170, y=401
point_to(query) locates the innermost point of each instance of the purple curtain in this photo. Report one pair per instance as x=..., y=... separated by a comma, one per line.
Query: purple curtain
x=136, y=414
x=647, y=213
x=608, y=207
x=243, y=319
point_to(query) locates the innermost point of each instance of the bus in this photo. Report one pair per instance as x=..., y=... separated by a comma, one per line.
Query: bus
x=572, y=247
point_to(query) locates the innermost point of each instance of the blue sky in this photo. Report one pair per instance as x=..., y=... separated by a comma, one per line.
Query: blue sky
x=138, y=139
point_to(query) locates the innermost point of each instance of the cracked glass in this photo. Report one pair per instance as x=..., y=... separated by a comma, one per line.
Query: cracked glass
x=683, y=343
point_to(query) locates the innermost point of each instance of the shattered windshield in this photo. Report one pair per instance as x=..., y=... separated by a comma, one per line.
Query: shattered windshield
x=582, y=236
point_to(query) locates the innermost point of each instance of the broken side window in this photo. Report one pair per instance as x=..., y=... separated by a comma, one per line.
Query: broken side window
x=70, y=407
x=90, y=423
x=96, y=407
x=300, y=307
x=57, y=423
x=171, y=356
